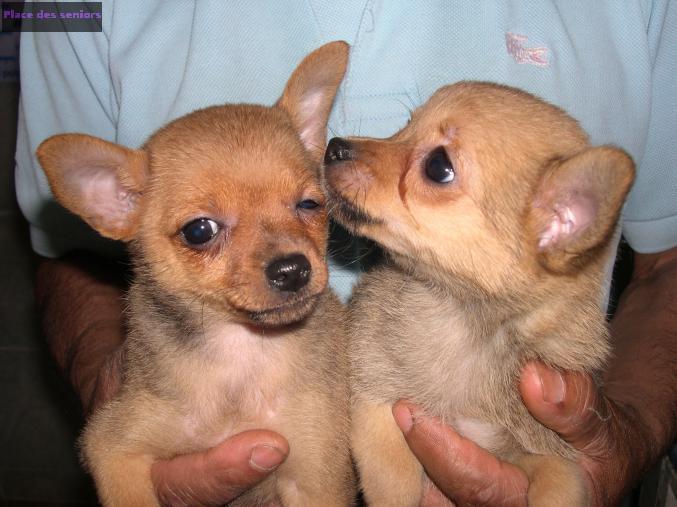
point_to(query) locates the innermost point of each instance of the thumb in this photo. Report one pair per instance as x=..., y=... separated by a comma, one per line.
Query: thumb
x=216, y=476
x=568, y=403
x=463, y=471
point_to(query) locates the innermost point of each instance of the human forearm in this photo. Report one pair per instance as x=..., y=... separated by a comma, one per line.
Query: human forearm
x=643, y=372
x=81, y=301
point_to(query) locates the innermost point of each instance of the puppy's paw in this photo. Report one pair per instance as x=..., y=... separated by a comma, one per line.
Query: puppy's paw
x=554, y=481
x=389, y=473
x=121, y=474
x=125, y=481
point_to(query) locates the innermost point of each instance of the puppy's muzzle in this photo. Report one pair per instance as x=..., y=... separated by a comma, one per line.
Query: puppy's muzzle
x=289, y=274
x=339, y=150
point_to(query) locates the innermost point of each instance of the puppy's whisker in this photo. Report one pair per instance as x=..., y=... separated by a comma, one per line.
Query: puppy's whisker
x=420, y=95
x=356, y=194
x=343, y=251
x=318, y=147
x=405, y=106
x=202, y=318
x=361, y=256
x=416, y=102
x=365, y=194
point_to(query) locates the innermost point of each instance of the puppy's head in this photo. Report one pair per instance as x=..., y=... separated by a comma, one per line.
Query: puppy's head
x=222, y=206
x=486, y=184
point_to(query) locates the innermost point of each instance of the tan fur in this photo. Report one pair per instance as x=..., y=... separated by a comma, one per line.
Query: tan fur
x=214, y=348
x=373, y=427
x=502, y=265
x=557, y=481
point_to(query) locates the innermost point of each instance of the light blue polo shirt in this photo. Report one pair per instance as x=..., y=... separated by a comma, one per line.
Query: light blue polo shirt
x=612, y=64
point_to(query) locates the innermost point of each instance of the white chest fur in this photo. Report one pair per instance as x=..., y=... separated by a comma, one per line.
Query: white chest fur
x=434, y=360
x=482, y=433
x=236, y=379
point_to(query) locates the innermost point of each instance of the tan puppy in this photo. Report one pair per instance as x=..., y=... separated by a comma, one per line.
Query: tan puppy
x=498, y=217
x=231, y=327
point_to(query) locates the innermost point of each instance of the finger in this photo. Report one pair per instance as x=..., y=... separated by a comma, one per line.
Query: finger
x=462, y=470
x=568, y=403
x=222, y=473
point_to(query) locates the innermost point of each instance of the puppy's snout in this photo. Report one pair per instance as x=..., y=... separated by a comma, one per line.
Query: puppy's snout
x=339, y=150
x=289, y=274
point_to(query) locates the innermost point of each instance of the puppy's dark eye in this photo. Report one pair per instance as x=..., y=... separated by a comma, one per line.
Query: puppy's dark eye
x=199, y=231
x=308, y=204
x=438, y=167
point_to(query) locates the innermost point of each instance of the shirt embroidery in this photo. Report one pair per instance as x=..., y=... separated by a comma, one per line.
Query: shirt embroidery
x=514, y=43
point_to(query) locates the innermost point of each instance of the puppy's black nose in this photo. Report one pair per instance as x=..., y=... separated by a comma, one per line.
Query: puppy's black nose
x=289, y=274
x=338, y=150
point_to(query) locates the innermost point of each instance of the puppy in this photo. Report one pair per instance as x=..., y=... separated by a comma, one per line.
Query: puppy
x=231, y=327
x=498, y=218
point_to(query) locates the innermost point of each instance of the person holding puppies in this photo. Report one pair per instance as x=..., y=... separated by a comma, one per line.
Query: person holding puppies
x=610, y=66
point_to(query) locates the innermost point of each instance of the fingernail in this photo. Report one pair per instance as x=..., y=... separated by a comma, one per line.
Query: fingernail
x=552, y=384
x=265, y=458
x=403, y=418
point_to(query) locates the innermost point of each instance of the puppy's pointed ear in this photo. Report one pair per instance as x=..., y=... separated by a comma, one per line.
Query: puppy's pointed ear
x=310, y=93
x=97, y=180
x=577, y=205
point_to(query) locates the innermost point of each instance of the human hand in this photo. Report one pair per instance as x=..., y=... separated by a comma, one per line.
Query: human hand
x=219, y=475
x=608, y=436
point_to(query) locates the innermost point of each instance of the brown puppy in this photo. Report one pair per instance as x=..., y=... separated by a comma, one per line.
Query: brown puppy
x=498, y=217
x=231, y=327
